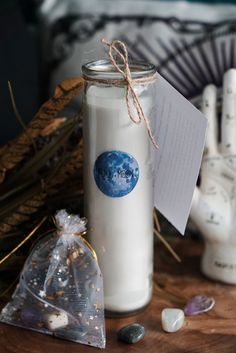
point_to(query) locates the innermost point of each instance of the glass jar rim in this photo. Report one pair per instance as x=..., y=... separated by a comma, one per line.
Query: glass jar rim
x=104, y=70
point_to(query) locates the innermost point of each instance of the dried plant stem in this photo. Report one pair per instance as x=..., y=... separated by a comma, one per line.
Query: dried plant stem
x=18, y=116
x=16, y=111
x=157, y=232
x=167, y=245
x=23, y=241
x=156, y=221
x=14, y=152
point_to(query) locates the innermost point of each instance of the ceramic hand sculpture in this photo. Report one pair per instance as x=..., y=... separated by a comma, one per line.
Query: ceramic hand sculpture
x=214, y=202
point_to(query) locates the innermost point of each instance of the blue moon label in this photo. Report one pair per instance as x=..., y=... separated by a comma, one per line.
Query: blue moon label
x=116, y=173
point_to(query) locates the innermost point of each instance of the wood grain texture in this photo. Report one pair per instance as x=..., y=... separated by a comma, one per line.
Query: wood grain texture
x=213, y=332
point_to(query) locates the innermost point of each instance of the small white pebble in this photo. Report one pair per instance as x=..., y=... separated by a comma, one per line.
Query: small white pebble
x=56, y=320
x=172, y=319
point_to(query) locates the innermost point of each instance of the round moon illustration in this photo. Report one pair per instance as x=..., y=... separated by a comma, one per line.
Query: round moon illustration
x=116, y=173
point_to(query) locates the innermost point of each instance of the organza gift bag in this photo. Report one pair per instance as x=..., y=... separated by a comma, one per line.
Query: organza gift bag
x=60, y=291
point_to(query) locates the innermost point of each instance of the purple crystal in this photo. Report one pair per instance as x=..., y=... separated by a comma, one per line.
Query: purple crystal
x=198, y=304
x=28, y=315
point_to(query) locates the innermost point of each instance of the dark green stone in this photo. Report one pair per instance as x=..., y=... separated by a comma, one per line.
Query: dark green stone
x=131, y=333
x=73, y=333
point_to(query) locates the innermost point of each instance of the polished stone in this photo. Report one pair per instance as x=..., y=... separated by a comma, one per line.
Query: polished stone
x=172, y=319
x=199, y=304
x=56, y=320
x=131, y=333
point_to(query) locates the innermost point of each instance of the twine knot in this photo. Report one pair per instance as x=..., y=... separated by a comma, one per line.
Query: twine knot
x=114, y=47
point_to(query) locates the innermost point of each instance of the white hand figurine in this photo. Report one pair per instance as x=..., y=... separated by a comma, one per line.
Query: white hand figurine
x=214, y=202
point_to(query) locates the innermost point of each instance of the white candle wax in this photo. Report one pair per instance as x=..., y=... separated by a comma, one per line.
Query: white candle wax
x=121, y=227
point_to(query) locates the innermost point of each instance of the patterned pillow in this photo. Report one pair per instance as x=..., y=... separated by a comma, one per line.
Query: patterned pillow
x=191, y=44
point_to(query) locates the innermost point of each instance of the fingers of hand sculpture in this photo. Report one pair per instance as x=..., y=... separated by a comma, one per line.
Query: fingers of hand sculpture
x=209, y=98
x=228, y=135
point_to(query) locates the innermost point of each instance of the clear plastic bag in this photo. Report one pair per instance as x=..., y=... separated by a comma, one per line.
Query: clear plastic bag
x=60, y=291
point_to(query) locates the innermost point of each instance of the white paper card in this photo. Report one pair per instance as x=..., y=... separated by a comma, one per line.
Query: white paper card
x=180, y=133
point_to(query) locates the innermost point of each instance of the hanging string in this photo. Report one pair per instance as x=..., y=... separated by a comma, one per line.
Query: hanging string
x=130, y=92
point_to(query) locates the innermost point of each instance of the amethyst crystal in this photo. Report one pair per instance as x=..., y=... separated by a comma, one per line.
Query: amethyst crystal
x=29, y=315
x=199, y=304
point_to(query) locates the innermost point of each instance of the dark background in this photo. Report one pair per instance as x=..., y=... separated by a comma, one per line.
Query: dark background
x=20, y=63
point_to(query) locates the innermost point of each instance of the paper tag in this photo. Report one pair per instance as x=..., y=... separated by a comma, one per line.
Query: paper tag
x=180, y=133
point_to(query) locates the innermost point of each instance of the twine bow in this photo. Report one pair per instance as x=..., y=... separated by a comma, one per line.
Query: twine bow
x=130, y=92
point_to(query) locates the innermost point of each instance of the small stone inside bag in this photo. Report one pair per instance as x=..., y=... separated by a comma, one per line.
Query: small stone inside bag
x=60, y=291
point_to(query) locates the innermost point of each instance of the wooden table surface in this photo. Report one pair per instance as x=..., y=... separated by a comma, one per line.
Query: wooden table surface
x=213, y=332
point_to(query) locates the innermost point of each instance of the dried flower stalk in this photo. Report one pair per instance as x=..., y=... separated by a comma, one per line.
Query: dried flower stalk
x=14, y=152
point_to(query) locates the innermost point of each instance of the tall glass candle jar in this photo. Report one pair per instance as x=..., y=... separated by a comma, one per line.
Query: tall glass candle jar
x=118, y=184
